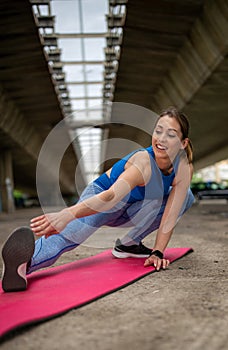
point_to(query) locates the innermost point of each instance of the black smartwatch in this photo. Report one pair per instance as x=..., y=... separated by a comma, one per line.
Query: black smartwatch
x=157, y=253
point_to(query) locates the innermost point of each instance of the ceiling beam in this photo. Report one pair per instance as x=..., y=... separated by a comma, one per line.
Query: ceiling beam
x=84, y=82
x=72, y=63
x=79, y=35
x=197, y=60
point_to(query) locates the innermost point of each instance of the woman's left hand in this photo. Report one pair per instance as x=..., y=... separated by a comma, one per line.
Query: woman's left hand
x=50, y=224
x=156, y=262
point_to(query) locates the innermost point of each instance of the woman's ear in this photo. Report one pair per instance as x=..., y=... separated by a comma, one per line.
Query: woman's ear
x=185, y=142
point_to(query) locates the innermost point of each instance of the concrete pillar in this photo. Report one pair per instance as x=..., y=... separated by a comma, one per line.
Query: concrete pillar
x=217, y=172
x=6, y=182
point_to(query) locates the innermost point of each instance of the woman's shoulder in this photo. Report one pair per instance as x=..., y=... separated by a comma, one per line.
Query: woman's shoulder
x=141, y=155
x=184, y=172
x=141, y=160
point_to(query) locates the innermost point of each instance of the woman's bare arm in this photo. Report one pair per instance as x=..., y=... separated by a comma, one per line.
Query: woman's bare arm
x=171, y=213
x=135, y=174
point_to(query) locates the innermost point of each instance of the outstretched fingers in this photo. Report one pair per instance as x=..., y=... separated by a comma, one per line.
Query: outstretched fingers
x=51, y=223
x=157, y=262
x=37, y=219
x=41, y=226
x=165, y=263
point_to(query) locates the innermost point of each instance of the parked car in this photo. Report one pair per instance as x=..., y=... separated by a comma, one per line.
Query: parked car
x=213, y=194
x=32, y=201
x=209, y=190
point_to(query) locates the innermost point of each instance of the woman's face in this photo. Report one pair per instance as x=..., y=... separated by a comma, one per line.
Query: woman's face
x=167, y=138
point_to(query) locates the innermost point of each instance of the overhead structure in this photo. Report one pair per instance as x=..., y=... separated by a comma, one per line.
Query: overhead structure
x=176, y=53
x=78, y=117
x=29, y=106
x=46, y=25
x=157, y=54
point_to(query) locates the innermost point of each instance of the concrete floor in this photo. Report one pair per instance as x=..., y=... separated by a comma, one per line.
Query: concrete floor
x=184, y=307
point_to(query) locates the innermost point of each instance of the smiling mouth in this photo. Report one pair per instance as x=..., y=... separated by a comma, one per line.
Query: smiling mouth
x=161, y=147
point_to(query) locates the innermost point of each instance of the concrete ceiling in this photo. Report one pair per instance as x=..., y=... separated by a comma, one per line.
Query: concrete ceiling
x=28, y=103
x=175, y=53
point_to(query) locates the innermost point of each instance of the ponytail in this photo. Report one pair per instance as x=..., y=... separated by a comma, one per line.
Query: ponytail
x=189, y=151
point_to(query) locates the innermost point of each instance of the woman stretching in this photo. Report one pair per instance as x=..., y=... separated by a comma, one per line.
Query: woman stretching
x=147, y=190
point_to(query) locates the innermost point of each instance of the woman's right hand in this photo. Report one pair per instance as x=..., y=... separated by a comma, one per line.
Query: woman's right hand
x=52, y=223
x=158, y=263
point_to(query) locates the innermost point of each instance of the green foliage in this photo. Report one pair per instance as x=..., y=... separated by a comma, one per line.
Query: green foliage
x=196, y=178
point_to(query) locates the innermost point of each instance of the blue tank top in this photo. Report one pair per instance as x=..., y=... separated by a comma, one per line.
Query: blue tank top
x=158, y=185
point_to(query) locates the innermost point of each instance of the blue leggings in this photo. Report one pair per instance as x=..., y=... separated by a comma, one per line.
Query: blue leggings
x=145, y=217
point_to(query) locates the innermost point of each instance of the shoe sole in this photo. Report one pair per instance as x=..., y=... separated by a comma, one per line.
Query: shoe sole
x=124, y=255
x=17, y=250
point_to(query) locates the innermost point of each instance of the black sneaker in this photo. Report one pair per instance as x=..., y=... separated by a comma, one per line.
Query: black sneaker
x=16, y=253
x=132, y=251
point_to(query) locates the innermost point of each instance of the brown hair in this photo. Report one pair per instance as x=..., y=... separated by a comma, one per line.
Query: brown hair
x=181, y=118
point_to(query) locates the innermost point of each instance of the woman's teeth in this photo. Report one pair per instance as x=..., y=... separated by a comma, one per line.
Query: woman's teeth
x=163, y=148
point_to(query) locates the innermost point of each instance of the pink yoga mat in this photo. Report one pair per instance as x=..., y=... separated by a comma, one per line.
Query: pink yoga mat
x=53, y=291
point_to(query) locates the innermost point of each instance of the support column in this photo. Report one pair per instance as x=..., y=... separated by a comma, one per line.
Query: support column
x=6, y=182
